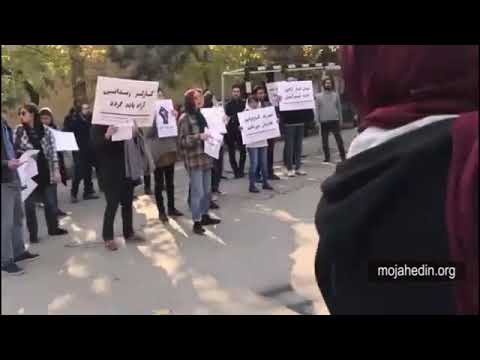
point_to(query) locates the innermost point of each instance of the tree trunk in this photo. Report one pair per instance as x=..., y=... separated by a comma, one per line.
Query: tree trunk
x=79, y=85
x=32, y=93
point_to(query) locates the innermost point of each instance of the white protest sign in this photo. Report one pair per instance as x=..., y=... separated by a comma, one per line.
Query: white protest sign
x=259, y=124
x=28, y=170
x=123, y=133
x=214, y=117
x=213, y=144
x=64, y=141
x=165, y=118
x=121, y=101
x=30, y=186
x=272, y=90
x=296, y=95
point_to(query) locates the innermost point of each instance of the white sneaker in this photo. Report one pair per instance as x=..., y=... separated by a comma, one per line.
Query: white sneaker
x=291, y=173
x=300, y=172
x=214, y=197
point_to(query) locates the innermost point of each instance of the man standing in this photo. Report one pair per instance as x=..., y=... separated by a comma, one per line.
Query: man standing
x=329, y=111
x=84, y=159
x=234, y=136
x=13, y=246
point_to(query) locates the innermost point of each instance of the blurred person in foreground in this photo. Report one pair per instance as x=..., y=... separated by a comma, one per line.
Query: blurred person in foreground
x=13, y=244
x=408, y=190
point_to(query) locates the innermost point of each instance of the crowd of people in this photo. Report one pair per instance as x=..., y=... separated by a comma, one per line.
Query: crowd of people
x=120, y=166
x=406, y=189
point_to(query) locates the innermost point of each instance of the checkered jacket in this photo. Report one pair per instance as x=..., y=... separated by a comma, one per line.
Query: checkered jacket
x=191, y=145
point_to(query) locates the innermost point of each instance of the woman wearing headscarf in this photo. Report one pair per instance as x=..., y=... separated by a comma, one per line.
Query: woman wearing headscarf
x=192, y=135
x=46, y=117
x=408, y=191
x=122, y=165
x=31, y=134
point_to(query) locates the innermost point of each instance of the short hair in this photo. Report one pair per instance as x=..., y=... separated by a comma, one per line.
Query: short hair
x=258, y=87
x=326, y=79
x=236, y=86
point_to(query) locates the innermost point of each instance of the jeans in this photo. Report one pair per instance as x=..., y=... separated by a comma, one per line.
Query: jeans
x=120, y=193
x=294, y=146
x=200, y=185
x=328, y=127
x=217, y=171
x=13, y=244
x=234, y=142
x=45, y=195
x=258, y=162
x=83, y=171
x=164, y=180
x=270, y=154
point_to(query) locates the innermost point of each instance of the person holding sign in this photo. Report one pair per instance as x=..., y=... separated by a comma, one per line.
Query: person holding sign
x=122, y=165
x=294, y=121
x=257, y=151
x=192, y=135
x=164, y=154
x=33, y=135
x=46, y=117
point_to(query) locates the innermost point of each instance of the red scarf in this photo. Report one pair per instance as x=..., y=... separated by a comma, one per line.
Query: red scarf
x=393, y=85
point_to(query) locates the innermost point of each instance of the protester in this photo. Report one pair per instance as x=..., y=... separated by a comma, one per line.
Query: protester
x=294, y=122
x=329, y=111
x=33, y=135
x=257, y=151
x=13, y=244
x=164, y=154
x=408, y=190
x=198, y=164
x=46, y=117
x=234, y=137
x=85, y=158
x=121, y=165
x=217, y=169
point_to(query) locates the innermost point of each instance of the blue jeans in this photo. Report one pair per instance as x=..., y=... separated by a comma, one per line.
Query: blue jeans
x=12, y=223
x=258, y=163
x=200, y=191
x=293, y=146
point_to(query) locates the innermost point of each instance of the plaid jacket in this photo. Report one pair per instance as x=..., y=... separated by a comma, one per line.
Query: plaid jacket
x=22, y=144
x=190, y=144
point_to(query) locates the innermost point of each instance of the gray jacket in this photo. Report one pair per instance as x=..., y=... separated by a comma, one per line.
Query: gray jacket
x=329, y=106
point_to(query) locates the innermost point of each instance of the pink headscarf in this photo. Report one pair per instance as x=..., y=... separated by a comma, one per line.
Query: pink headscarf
x=393, y=85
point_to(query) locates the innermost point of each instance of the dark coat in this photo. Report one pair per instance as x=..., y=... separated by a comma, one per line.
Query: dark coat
x=81, y=129
x=386, y=204
x=232, y=109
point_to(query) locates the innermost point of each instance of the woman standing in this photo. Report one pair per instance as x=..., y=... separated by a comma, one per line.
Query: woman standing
x=192, y=135
x=46, y=117
x=33, y=135
x=121, y=166
x=408, y=191
x=164, y=154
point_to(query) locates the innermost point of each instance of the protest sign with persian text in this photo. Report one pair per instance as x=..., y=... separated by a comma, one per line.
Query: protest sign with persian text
x=259, y=124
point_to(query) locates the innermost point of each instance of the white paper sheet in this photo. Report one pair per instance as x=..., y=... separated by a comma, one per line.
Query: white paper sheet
x=123, y=133
x=64, y=141
x=165, y=118
x=121, y=101
x=259, y=124
x=28, y=170
x=215, y=119
x=296, y=95
x=27, y=155
x=30, y=186
x=213, y=144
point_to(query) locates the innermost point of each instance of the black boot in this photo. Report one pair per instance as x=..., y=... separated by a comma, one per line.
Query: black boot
x=174, y=212
x=198, y=228
x=207, y=220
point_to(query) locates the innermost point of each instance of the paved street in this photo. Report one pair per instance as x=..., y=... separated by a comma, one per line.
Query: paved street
x=259, y=260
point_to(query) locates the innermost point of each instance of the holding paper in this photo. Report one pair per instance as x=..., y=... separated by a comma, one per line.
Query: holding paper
x=64, y=141
x=213, y=143
x=123, y=133
x=165, y=118
x=259, y=124
x=215, y=119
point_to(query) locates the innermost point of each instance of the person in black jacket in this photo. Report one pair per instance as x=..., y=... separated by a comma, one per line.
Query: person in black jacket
x=46, y=117
x=117, y=180
x=13, y=244
x=234, y=136
x=84, y=159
